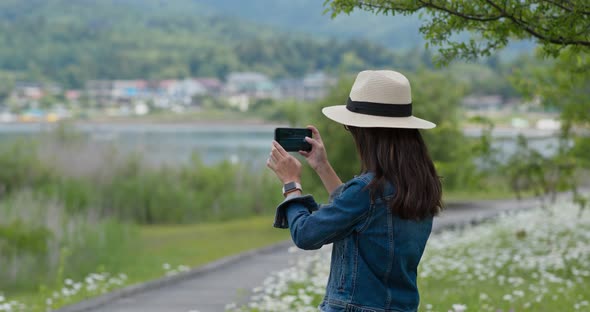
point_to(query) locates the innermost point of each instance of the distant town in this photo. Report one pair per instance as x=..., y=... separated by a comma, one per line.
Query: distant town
x=49, y=102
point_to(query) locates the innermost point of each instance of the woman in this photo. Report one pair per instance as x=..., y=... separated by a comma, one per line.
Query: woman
x=379, y=221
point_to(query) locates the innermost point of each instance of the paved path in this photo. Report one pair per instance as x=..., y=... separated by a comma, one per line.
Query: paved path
x=211, y=288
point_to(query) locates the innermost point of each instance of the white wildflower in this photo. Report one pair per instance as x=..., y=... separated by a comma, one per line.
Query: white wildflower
x=171, y=273
x=183, y=268
x=66, y=292
x=518, y=293
x=289, y=299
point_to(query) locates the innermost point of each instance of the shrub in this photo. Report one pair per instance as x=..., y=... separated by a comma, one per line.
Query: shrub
x=36, y=233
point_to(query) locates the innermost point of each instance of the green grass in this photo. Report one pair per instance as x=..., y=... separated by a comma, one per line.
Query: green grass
x=174, y=246
x=491, y=187
x=195, y=245
x=474, y=195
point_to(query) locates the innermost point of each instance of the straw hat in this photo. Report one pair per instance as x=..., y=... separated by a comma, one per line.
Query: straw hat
x=378, y=99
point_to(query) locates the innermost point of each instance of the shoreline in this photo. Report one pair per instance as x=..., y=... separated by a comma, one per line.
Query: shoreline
x=225, y=125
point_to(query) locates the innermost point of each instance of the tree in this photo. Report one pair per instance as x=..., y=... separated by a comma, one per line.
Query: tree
x=554, y=24
x=6, y=86
x=561, y=28
x=564, y=85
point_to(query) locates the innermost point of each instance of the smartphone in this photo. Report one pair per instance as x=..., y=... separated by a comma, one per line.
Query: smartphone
x=293, y=139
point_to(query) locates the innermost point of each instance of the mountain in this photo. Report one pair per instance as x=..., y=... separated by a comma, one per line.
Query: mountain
x=400, y=32
x=307, y=16
x=72, y=41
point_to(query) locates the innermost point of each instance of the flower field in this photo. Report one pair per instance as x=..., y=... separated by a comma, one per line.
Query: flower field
x=71, y=291
x=535, y=260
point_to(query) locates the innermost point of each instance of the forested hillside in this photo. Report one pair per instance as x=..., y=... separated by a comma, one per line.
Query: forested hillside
x=307, y=16
x=396, y=32
x=71, y=42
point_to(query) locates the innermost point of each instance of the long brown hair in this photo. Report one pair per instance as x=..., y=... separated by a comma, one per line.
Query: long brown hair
x=400, y=157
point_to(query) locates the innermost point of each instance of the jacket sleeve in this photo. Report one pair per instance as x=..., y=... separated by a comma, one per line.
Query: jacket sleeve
x=349, y=207
x=305, y=201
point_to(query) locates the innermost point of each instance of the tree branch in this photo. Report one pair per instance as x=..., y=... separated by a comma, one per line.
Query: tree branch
x=479, y=18
x=381, y=7
x=569, y=9
x=430, y=4
x=526, y=27
x=557, y=4
x=503, y=13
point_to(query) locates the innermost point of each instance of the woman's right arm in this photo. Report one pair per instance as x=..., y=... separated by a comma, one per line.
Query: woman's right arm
x=329, y=178
x=318, y=160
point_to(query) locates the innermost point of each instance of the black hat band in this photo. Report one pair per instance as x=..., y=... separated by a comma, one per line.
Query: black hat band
x=379, y=109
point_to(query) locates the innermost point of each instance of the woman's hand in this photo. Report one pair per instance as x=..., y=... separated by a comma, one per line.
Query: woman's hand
x=317, y=157
x=286, y=167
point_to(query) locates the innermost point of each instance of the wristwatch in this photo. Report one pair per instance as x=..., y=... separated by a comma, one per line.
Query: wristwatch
x=290, y=187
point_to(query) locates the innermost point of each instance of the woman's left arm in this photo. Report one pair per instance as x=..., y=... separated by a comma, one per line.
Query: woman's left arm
x=346, y=213
x=334, y=221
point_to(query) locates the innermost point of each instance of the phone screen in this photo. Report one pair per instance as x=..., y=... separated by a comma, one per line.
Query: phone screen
x=293, y=139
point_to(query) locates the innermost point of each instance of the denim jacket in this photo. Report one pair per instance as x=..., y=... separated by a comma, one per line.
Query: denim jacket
x=375, y=253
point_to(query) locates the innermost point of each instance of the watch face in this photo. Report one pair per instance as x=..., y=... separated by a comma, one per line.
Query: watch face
x=289, y=186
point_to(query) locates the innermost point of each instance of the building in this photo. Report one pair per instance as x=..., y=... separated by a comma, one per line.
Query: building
x=33, y=90
x=317, y=85
x=163, y=93
x=180, y=89
x=127, y=90
x=30, y=94
x=213, y=86
x=252, y=84
x=100, y=91
x=483, y=102
x=292, y=89
x=242, y=88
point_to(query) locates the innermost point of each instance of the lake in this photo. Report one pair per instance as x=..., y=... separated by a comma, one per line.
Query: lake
x=246, y=143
